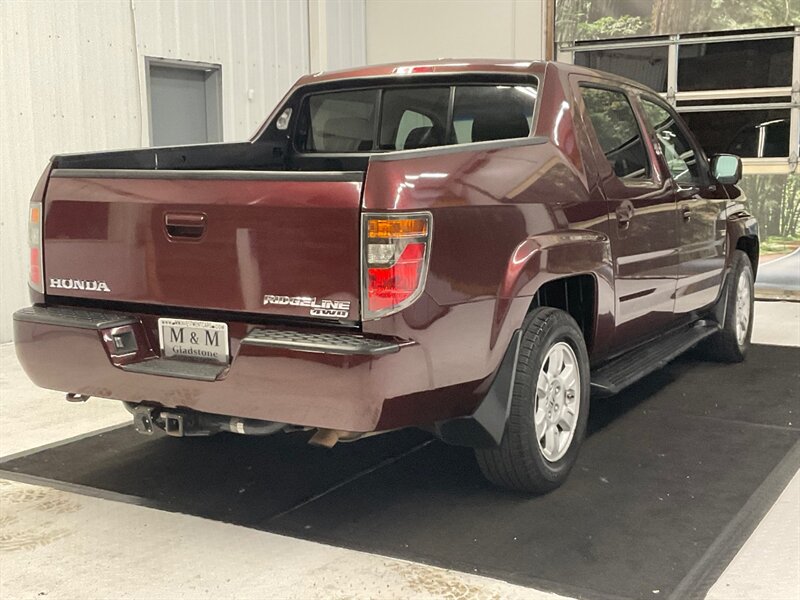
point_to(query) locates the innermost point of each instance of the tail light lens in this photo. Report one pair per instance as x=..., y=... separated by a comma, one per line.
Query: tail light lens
x=36, y=272
x=396, y=250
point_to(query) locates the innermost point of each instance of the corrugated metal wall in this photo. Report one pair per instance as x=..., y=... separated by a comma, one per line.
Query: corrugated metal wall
x=73, y=79
x=345, y=30
x=262, y=47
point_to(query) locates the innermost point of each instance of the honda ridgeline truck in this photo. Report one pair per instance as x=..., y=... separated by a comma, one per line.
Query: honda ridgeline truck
x=469, y=247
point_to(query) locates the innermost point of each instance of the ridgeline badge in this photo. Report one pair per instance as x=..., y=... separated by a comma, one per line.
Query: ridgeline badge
x=339, y=309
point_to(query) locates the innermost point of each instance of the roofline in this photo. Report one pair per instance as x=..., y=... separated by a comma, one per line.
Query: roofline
x=441, y=66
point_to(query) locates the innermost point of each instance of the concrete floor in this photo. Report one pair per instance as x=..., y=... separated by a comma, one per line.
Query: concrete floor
x=780, y=277
x=58, y=544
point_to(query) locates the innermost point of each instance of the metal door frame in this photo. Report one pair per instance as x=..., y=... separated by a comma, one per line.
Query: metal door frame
x=213, y=89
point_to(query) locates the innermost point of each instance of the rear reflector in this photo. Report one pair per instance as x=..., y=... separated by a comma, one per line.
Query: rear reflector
x=35, y=272
x=36, y=269
x=396, y=252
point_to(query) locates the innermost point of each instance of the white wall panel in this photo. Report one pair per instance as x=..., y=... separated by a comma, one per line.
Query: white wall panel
x=338, y=34
x=400, y=30
x=345, y=22
x=72, y=79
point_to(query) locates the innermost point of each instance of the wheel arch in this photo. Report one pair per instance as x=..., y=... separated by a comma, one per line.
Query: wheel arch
x=576, y=295
x=571, y=270
x=743, y=235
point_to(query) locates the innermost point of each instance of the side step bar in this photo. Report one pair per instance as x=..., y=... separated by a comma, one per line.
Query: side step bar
x=624, y=370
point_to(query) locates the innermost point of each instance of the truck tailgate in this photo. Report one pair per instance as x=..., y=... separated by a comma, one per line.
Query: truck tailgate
x=278, y=243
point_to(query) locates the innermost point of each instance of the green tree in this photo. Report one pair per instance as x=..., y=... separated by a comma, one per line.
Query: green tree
x=679, y=16
x=775, y=202
x=598, y=19
x=610, y=27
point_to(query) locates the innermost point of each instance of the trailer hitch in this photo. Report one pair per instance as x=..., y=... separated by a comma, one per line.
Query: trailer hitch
x=188, y=423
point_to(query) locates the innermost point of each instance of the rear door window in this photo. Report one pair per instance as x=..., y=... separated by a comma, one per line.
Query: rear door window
x=617, y=132
x=413, y=117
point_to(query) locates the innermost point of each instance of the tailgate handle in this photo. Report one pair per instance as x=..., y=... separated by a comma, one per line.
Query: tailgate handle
x=186, y=226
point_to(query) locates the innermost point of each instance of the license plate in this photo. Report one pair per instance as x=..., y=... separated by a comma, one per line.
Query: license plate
x=197, y=340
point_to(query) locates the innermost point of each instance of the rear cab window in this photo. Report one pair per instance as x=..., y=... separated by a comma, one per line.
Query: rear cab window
x=484, y=113
x=413, y=117
x=339, y=122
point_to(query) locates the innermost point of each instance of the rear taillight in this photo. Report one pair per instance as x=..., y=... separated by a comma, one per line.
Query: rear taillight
x=396, y=249
x=36, y=271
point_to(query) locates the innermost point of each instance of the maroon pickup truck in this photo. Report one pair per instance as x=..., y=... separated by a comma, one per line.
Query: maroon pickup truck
x=468, y=247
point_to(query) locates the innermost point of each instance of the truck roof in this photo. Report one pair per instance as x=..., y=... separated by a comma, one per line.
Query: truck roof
x=443, y=66
x=422, y=67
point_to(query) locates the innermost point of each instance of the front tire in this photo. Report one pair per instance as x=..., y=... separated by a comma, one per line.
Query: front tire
x=549, y=407
x=731, y=343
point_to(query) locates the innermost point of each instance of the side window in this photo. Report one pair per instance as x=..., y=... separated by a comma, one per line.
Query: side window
x=492, y=112
x=617, y=132
x=678, y=152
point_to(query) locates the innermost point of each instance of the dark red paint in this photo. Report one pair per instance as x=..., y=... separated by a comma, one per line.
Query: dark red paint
x=505, y=221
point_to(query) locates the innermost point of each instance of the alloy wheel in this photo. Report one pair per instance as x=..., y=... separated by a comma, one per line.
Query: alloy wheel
x=557, y=401
x=743, y=303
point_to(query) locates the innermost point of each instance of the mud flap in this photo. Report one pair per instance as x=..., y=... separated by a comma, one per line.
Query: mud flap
x=720, y=308
x=485, y=427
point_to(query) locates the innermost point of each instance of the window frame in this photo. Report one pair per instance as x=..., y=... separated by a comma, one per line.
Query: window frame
x=750, y=96
x=302, y=103
x=630, y=98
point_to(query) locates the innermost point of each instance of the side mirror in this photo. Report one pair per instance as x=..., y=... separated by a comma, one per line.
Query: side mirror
x=726, y=168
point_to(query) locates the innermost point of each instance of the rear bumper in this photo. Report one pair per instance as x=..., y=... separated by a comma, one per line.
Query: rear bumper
x=312, y=378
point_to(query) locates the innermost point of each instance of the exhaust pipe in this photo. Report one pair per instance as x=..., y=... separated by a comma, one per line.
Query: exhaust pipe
x=252, y=426
x=328, y=438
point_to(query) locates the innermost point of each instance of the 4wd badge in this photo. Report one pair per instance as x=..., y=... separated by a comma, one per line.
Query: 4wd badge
x=339, y=309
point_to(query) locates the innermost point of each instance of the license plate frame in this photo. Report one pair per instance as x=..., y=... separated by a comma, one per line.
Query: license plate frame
x=191, y=339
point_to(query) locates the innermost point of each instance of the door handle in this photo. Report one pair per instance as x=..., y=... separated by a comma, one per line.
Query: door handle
x=686, y=213
x=624, y=214
x=185, y=226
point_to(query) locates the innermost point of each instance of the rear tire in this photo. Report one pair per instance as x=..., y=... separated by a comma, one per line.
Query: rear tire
x=549, y=407
x=731, y=343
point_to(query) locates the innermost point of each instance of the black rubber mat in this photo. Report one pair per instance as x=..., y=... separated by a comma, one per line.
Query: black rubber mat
x=674, y=475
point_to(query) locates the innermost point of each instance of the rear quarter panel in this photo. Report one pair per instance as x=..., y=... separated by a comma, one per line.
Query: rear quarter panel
x=505, y=220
